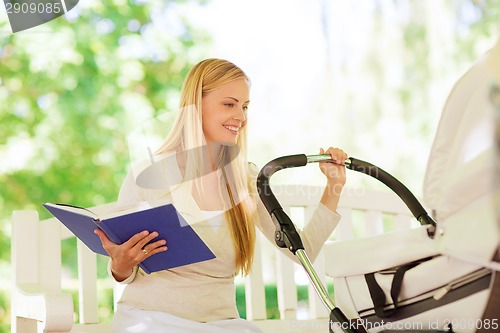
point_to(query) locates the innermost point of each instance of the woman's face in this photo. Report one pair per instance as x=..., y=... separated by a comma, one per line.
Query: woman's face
x=224, y=112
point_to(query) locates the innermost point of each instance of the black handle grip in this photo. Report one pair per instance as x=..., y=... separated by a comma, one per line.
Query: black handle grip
x=402, y=191
x=286, y=234
x=272, y=204
x=263, y=185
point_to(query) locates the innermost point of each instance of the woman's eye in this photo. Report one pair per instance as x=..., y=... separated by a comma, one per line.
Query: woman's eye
x=230, y=105
x=245, y=108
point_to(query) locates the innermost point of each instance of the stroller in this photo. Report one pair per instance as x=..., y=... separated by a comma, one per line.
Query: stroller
x=444, y=275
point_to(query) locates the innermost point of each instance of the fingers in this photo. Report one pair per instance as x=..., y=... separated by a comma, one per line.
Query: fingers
x=141, y=239
x=337, y=154
x=129, y=254
x=138, y=246
x=143, y=247
x=153, y=248
x=102, y=236
x=334, y=170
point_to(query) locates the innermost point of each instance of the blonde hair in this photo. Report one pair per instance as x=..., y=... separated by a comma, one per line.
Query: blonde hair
x=187, y=136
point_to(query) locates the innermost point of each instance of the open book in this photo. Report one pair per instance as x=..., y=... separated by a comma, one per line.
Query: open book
x=184, y=245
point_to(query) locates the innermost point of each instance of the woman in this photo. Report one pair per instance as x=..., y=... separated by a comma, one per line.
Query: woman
x=212, y=184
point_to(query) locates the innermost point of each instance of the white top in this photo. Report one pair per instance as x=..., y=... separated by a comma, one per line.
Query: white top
x=205, y=291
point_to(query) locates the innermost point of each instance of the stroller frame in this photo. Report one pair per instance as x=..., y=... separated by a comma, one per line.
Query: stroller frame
x=286, y=235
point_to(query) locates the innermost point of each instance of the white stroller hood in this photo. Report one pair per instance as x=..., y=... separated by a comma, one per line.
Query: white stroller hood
x=406, y=279
x=459, y=182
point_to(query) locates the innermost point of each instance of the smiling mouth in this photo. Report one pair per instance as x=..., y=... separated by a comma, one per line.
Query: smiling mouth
x=232, y=129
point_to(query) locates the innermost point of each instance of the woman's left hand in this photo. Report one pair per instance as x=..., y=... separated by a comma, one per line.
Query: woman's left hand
x=335, y=173
x=334, y=170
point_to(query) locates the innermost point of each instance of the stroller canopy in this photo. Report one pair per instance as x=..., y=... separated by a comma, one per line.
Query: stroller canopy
x=460, y=184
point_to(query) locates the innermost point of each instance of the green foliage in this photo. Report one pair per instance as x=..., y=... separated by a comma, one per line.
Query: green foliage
x=70, y=92
x=271, y=296
x=73, y=92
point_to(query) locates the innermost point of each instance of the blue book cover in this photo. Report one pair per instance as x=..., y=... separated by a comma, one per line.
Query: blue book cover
x=184, y=245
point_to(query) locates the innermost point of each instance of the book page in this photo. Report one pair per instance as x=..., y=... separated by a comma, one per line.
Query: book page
x=74, y=209
x=128, y=209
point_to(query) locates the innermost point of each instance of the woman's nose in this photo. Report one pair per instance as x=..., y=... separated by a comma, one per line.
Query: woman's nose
x=241, y=115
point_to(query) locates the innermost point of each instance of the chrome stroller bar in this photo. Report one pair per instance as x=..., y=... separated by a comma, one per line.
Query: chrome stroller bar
x=286, y=236
x=324, y=158
x=313, y=277
x=338, y=321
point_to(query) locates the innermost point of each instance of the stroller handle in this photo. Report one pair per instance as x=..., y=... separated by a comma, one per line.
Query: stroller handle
x=291, y=161
x=287, y=236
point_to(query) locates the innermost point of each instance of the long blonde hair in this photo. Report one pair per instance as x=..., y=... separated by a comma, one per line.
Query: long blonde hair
x=187, y=136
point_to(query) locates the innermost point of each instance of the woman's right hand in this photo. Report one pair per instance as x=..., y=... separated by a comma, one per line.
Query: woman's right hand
x=126, y=256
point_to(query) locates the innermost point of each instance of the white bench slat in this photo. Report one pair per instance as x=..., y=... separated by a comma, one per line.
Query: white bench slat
x=403, y=221
x=87, y=291
x=344, y=229
x=373, y=223
x=24, y=248
x=255, y=297
x=49, y=230
x=91, y=328
x=363, y=199
x=286, y=287
x=37, y=303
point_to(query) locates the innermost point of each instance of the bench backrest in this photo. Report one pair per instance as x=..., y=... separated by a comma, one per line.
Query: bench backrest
x=36, y=260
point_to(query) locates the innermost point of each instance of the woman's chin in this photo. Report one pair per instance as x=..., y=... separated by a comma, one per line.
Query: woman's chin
x=228, y=143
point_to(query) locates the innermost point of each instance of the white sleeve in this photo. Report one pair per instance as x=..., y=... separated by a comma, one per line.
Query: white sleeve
x=127, y=280
x=129, y=193
x=317, y=230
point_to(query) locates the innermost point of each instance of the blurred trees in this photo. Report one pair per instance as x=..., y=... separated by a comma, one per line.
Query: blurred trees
x=388, y=69
x=71, y=90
